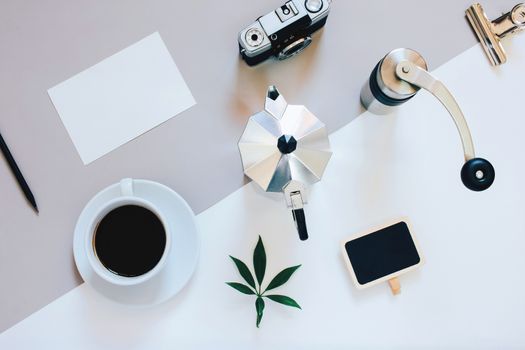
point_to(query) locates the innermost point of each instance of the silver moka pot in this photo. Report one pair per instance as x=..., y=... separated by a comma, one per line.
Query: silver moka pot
x=284, y=148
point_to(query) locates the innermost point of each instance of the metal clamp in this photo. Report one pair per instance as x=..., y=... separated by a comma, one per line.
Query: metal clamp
x=490, y=33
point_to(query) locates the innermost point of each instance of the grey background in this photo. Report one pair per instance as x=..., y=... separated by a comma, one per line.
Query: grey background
x=45, y=42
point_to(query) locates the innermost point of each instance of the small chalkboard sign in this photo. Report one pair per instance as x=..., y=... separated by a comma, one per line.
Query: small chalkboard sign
x=381, y=255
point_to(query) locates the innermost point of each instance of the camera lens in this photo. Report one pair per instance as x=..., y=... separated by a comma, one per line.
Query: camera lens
x=294, y=48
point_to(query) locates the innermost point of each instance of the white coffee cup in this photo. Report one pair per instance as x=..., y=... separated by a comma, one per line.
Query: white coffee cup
x=127, y=198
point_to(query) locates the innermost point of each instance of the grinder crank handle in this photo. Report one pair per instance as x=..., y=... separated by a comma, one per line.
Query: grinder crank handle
x=477, y=174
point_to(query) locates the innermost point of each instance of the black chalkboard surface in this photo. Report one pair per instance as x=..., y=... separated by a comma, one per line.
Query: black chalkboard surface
x=382, y=253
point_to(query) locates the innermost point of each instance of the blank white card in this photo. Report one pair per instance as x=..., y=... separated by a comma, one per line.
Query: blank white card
x=121, y=97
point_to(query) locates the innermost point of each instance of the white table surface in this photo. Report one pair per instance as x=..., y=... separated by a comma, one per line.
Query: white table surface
x=46, y=42
x=469, y=293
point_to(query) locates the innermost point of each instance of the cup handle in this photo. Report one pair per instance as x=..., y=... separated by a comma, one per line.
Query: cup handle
x=126, y=187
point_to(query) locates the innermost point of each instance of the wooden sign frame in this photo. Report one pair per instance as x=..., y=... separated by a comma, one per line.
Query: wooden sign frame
x=392, y=278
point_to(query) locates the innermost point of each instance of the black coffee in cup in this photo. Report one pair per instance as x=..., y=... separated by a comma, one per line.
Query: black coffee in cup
x=130, y=240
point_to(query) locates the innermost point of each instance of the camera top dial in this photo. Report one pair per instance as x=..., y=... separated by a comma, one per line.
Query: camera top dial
x=254, y=37
x=313, y=5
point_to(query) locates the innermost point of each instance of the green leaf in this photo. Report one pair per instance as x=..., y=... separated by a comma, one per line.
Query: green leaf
x=282, y=277
x=282, y=299
x=244, y=271
x=259, y=307
x=259, y=261
x=241, y=288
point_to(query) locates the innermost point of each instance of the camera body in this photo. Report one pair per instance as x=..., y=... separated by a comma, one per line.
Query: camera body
x=283, y=32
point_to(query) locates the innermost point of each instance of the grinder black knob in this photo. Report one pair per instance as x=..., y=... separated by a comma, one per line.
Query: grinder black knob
x=478, y=174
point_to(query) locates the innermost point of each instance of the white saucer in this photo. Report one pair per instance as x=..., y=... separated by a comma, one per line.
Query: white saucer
x=182, y=258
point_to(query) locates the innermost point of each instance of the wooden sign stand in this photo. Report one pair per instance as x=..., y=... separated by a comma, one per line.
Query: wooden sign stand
x=395, y=286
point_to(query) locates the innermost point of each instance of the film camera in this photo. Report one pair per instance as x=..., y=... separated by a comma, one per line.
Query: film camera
x=284, y=32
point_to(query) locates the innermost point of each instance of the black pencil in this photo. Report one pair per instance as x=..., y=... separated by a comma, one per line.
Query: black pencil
x=17, y=173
